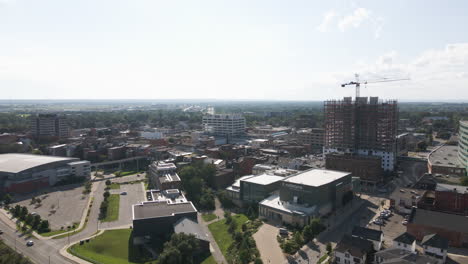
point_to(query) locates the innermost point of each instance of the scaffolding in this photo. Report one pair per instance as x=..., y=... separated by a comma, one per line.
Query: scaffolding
x=364, y=123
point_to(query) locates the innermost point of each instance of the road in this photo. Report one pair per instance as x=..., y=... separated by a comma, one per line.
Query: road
x=49, y=248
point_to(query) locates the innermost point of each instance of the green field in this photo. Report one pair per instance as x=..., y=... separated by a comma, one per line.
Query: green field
x=113, y=209
x=112, y=247
x=114, y=186
x=209, y=260
x=220, y=231
x=209, y=217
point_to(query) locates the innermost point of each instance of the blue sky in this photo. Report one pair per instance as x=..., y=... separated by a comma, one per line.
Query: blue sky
x=291, y=50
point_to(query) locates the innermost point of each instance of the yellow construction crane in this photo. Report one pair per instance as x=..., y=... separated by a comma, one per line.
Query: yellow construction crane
x=357, y=83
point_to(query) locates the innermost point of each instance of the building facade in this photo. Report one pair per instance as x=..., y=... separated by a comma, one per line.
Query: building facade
x=23, y=173
x=228, y=125
x=363, y=126
x=163, y=176
x=49, y=125
x=463, y=144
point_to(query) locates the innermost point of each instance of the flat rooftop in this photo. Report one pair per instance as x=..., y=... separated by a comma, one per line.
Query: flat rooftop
x=14, y=163
x=264, y=179
x=161, y=209
x=446, y=156
x=316, y=177
x=444, y=221
x=451, y=188
x=274, y=202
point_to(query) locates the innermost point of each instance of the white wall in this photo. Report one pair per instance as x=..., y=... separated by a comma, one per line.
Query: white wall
x=406, y=247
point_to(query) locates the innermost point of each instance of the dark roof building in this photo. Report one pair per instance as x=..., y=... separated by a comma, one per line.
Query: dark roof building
x=354, y=248
x=435, y=240
x=375, y=236
x=449, y=226
x=397, y=256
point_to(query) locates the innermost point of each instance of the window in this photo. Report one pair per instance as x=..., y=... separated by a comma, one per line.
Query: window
x=347, y=255
x=356, y=260
x=404, y=245
x=337, y=259
x=347, y=261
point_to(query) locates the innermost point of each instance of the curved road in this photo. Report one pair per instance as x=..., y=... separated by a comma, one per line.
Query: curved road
x=47, y=250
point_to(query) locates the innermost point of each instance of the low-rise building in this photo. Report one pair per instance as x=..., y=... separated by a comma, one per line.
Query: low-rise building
x=164, y=176
x=154, y=218
x=405, y=241
x=435, y=246
x=374, y=236
x=449, y=226
x=305, y=195
x=404, y=199
x=444, y=160
x=23, y=173
x=352, y=250
x=367, y=168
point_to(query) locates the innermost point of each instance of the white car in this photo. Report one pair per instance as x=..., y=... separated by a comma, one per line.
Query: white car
x=405, y=222
x=30, y=243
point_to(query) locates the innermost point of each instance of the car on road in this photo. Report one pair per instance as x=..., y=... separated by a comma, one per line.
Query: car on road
x=1, y=231
x=30, y=243
x=405, y=222
x=123, y=193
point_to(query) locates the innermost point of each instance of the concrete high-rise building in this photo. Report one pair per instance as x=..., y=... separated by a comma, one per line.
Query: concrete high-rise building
x=463, y=144
x=49, y=125
x=224, y=124
x=365, y=126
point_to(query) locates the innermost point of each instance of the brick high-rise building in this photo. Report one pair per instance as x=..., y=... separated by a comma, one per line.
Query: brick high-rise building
x=365, y=126
x=49, y=125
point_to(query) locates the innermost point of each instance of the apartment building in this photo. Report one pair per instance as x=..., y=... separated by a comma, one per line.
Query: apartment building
x=49, y=125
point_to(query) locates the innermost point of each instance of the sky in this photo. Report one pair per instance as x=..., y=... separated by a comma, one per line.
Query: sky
x=243, y=49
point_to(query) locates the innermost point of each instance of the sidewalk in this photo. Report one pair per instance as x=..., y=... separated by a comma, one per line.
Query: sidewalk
x=64, y=251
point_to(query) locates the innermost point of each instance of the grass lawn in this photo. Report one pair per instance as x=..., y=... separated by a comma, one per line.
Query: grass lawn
x=112, y=247
x=209, y=260
x=113, y=208
x=114, y=186
x=220, y=231
x=209, y=217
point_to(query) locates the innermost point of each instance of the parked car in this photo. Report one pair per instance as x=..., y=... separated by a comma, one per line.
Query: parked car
x=1, y=231
x=30, y=243
x=283, y=231
x=378, y=221
x=405, y=222
x=123, y=193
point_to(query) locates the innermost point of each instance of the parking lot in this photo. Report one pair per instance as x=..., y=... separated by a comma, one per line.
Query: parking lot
x=392, y=227
x=62, y=206
x=135, y=194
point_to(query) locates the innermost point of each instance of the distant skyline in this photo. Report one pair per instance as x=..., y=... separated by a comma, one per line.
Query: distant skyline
x=232, y=50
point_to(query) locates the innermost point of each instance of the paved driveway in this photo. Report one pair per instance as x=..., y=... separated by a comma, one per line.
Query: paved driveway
x=135, y=194
x=268, y=245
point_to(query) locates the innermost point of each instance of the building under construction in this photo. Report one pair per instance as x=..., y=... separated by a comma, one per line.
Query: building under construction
x=365, y=126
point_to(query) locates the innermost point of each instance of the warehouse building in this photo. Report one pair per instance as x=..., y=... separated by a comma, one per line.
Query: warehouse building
x=305, y=195
x=23, y=173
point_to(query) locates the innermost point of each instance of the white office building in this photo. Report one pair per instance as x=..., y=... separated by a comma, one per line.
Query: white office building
x=224, y=124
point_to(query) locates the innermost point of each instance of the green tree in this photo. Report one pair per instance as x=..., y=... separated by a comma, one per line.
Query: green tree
x=307, y=233
x=108, y=182
x=232, y=227
x=464, y=181
x=181, y=248
x=106, y=195
x=329, y=248
x=7, y=199
x=23, y=213
x=44, y=226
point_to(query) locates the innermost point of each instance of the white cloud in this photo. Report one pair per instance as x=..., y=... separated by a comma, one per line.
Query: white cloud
x=436, y=74
x=355, y=19
x=328, y=19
